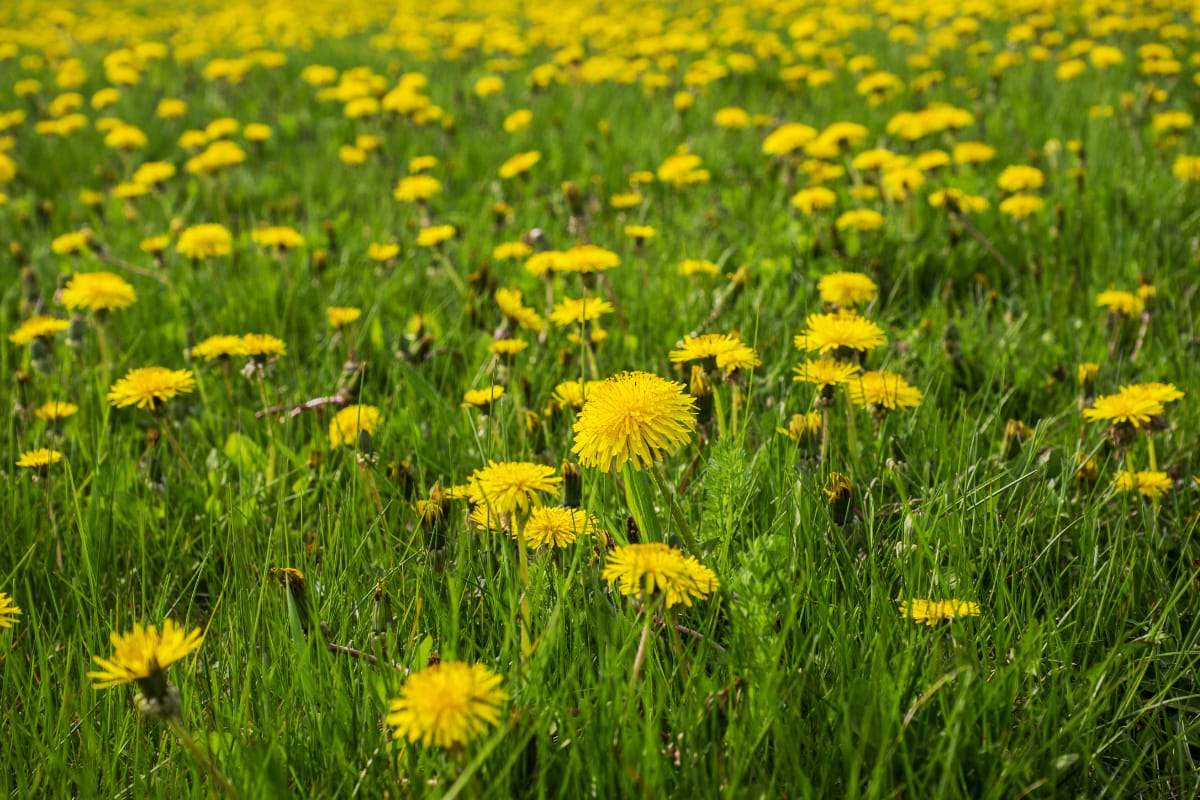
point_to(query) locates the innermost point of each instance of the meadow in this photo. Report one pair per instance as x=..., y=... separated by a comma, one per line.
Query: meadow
x=600, y=399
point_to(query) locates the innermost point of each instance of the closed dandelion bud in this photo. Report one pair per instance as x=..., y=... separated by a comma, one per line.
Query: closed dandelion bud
x=839, y=492
x=700, y=387
x=382, y=611
x=1015, y=435
x=572, y=485
x=365, y=442
x=293, y=580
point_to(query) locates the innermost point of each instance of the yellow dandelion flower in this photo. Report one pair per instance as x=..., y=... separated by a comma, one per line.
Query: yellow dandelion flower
x=697, y=266
x=882, y=389
x=570, y=311
x=8, y=611
x=55, y=411
x=825, y=372
x=417, y=188
x=1021, y=206
x=1151, y=485
x=142, y=654
x=557, y=526
x=931, y=612
x=859, y=219
x=263, y=345
x=39, y=459
x=279, y=237
x=646, y=569
x=98, y=291
x=40, y=327
x=447, y=705
x=340, y=316
x=205, y=241
x=1133, y=409
x=506, y=251
x=519, y=164
x=219, y=347
x=345, y=426
x=435, y=235
x=840, y=331
x=507, y=487
x=847, y=288
x=1117, y=301
x=382, y=252
x=147, y=385
x=634, y=418
x=727, y=351
x=482, y=398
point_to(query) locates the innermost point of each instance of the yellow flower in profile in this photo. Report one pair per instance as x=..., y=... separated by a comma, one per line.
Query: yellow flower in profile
x=840, y=331
x=882, y=389
x=655, y=568
x=8, y=611
x=814, y=198
x=447, y=705
x=40, y=327
x=98, y=291
x=278, y=236
x=38, y=459
x=417, y=188
x=1126, y=304
x=1151, y=485
x=55, y=411
x=802, y=427
x=340, y=316
x=633, y=418
x=506, y=251
x=825, y=372
x=732, y=118
x=205, y=241
x=698, y=266
x=556, y=526
x=847, y=288
x=147, y=385
x=727, y=351
x=859, y=219
x=73, y=242
x=346, y=424
x=509, y=301
x=382, y=252
x=571, y=394
x=570, y=311
x=1186, y=168
x=519, y=164
x=142, y=654
x=931, y=612
x=435, y=235
x=1021, y=206
x=507, y=348
x=624, y=200
x=788, y=138
x=640, y=232
x=482, y=398
x=1021, y=178
x=262, y=345
x=584, y=259
x=219, y=347
x=508, y=487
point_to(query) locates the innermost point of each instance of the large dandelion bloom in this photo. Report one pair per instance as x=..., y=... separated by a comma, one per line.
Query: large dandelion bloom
x=147, y=385
x=843, y=330
x=727, y=351
x=510, y=486
x=447, y=704
x=41, y=327
x=633, y=417
x=557, y=526
x=659, y=568
x=847, y=288
x=144, y=653
x=205, y=241
x=98, y=291
x=884, y=390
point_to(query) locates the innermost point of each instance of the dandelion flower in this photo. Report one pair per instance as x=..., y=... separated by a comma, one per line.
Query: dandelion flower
x=847, y=288
x=633, y=417
x=41, y=327
x=727, y=351
x=98, y=291
x=262, y=345
x=148, y=385
x=447, y=704
x=931, y=612
x=823, y=372
x=219, y=347
x=859, y=219
x=382, y=252
x=557, y=526
x=435, y=235
x=883, y=389
x=346, y=424
x=519, y=164
x=417, y=188
x=142, y=654
x=1134, y=409
x=55, y=411
x=8, y=611
x=1116, y=301
x=340, y=316
x=39, y=459
x=840, y=331
x=576, y=312
x=655, y=568
x=482, y=398
x=507, y=487
x=205, y=241
x=279, y=237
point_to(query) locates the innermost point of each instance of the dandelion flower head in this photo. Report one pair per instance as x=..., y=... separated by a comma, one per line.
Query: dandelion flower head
x=634, y=418
x=145, y=386
x=657, y=568
x=447, y=704
x=144, y=652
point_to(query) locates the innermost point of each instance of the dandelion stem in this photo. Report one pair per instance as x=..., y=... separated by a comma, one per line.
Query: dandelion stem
x=188, y=742
x=1150, y=452
x=165, y=427
x=640, y=657
x=685, y=530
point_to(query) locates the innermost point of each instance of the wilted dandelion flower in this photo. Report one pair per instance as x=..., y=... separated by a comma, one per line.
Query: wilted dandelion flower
x=882, y=389
x=931, y=612
x=447, y=704
x=8, y=611
x=346, y=424
x=839, y=332
x=340, y=316
x=147, y=385
x=633, y=417
x=655, y=568
x=97, y=291
x=557, y=526
x=205, y=241
x=508, y=487
x=847, y=288
x=38, y=459
x=40, y=327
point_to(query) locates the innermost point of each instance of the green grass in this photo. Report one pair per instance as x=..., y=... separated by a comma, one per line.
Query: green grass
x=799, y=677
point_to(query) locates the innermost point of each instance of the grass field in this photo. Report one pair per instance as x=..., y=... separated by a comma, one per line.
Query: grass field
x=624, y=399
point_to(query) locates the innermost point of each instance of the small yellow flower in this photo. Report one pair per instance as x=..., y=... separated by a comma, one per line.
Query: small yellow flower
x=931, y=612
x=1151, y=485
x=97, y=291
x=1126, y=304
x=883, y=389
x=509, y=487
x=55, y=411
x=340, y=316
x=447, y=705
x=262, y=345
x=278, y=237
x=417, y=188
x=40, y=327
x=519, y=164
x=482, y=398
x=219, y=347
x=8, y=611
x=148, y=385
x=647, y=569
x=205, y=241
x=557, y=526
x=847, y=288
x=346, y=424
x=144, y=653
x=39, y=459
x=382, y=252
x=435, y=235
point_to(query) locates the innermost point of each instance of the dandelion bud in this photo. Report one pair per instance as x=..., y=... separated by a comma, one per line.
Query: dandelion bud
x=572, y=485
x=1015, y=435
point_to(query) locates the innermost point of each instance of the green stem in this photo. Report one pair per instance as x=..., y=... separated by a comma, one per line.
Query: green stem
x=188, y=742
x=685, y=530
